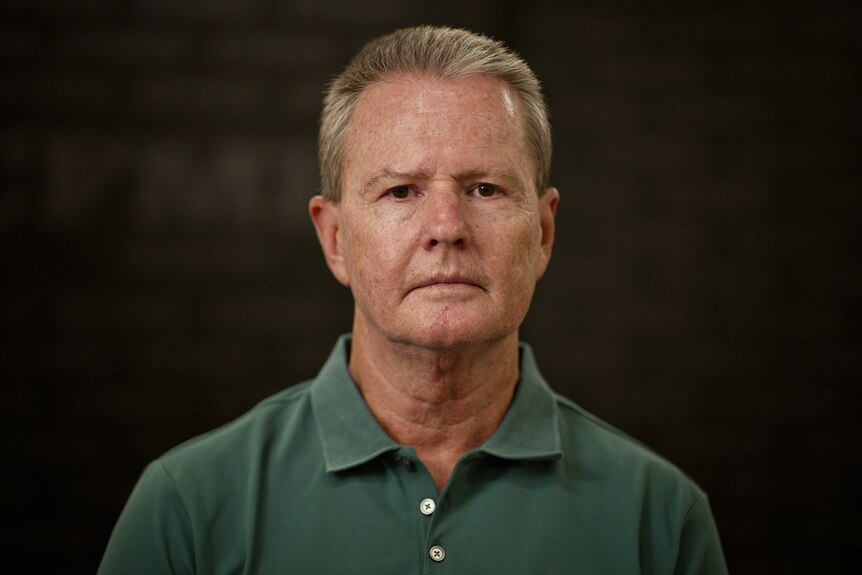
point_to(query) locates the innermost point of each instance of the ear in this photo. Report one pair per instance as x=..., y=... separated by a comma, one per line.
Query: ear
x=547, y=221
x=326, y=216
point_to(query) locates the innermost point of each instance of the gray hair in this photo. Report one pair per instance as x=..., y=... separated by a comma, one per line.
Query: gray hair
x=439, y=52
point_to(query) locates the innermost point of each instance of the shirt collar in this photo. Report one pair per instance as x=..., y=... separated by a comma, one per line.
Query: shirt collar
x=530, y=429
x=351, y=436
x=349, y=433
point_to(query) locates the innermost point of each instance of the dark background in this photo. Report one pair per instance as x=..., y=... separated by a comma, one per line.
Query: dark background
x=161, y=275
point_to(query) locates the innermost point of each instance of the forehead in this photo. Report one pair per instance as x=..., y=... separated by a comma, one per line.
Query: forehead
x=430, y=93
x=416, y=119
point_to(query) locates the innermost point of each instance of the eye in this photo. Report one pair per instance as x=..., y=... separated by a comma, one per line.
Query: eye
x=400, y=192
x=485, y=190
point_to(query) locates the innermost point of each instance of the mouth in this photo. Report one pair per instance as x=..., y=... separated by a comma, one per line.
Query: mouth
x=447, y=282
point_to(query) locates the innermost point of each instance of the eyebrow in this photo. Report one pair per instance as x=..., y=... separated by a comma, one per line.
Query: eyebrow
x=390, y=174
x=506, y=176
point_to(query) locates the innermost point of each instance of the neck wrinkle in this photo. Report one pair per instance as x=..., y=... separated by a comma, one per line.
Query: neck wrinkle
x=443, y=401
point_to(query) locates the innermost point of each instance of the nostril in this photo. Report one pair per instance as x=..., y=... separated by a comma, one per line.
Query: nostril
x=433, y=243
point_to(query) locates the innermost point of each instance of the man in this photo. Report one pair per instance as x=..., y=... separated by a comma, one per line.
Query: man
x=429, y=442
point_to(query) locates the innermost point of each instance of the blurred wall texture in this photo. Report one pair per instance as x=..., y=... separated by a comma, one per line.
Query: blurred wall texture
x=161, y=275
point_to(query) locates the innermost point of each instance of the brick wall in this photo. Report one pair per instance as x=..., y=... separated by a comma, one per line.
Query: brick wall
x=161, y=276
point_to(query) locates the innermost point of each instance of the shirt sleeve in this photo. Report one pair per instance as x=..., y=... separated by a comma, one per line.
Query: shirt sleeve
x=700, y=547
x=153, y=535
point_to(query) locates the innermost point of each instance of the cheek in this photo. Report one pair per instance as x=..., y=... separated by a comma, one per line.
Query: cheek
x=520, y=256
x=393, y=234
x=374, y=252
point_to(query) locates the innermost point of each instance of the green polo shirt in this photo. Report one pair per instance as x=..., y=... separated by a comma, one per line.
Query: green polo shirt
x=307, y=482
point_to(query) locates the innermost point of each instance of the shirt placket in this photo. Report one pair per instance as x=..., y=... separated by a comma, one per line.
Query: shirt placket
x=426, y=506
x=439, y=549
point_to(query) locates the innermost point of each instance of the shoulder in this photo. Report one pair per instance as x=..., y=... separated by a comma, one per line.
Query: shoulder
x=271, y=424
x=599, y=448
x=636, y=492
x=201, y=488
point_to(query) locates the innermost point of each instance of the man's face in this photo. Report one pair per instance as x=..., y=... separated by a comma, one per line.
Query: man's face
x=440, y=233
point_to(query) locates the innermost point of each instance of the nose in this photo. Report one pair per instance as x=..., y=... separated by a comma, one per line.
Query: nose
x=445, y=223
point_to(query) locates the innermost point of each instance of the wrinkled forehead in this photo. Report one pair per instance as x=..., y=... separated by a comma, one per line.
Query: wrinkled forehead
x=440, y=95
x=429, y=109
x=442, y=98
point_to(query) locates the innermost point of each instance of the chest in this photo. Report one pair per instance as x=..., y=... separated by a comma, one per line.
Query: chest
x=389, y=518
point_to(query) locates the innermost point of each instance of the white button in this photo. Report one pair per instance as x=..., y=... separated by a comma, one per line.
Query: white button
x=427, y=506
x=437, y=553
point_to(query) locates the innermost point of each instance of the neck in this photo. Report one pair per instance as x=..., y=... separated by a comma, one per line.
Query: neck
x=441, y=402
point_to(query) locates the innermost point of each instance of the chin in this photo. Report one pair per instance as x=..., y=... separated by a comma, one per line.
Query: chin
x=452, y=335
x=441, y=328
